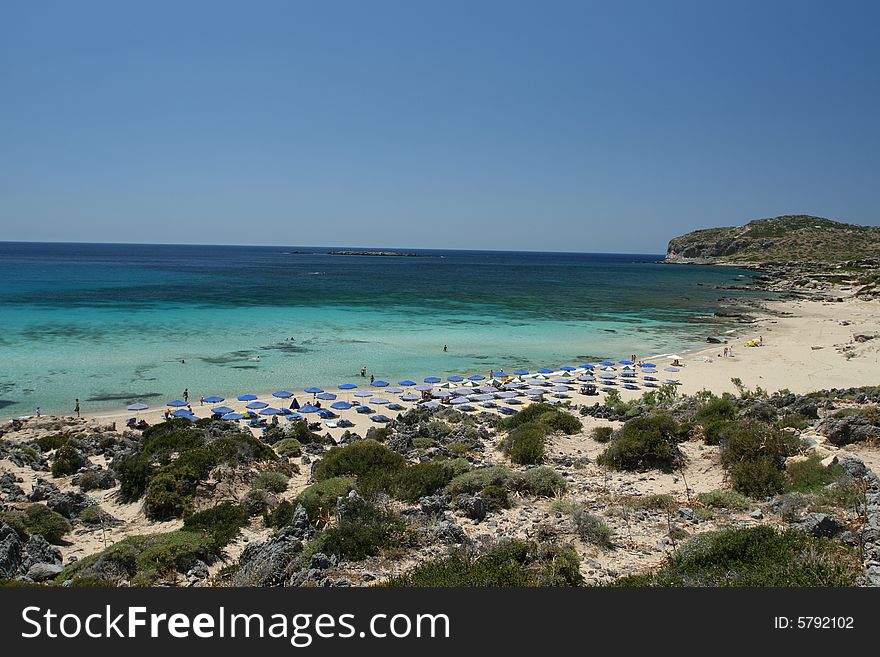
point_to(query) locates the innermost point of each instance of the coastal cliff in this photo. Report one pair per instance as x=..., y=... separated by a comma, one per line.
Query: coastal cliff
x=784, y=239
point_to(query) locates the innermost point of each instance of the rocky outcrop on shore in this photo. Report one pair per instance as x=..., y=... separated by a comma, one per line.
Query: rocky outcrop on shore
x=783, y=239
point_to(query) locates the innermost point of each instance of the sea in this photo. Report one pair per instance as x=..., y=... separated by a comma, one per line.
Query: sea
x=111, y=324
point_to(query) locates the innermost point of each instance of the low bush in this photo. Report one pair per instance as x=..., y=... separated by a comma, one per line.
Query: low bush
x=554, y=418
x=222, y=523
x=53, y=441
x=510, y=563
x=591, y=529
x=602, y=434
x=476, y=480
x=756, y=556
x=524, y=444
x=319, y=500
x=495, y=498
x=67, y=461
x=374, y=465
x=754, y=454
x=810, y=476
x=289, y=447
x=425, y=478
x=37, y=519
x=541, y=482
x=143, y=560
x=724, y=499
x=644, y=443
x=363, y=532
x=274, y=482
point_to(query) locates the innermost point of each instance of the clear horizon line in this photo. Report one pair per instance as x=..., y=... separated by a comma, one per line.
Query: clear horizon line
x=326, y=246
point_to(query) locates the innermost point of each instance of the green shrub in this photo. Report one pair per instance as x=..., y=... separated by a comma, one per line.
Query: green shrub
x=602, y=434
x=289, y=447
x=425, y=478
x=495, y=498
x=756, y=556
x=143, y=560
x=509, y=563
x=222, y=523
x=591, y=529
x=374, y=465
x=541, y=482
x=525, y=443
x=320, y=498
x=134, y=474
x=363, y=532
x=37, y=519
x=547, y=414
x=476, y=480
x=274, y=482
x=300, y=431
x=724, y=499
x=168, y=497
x=649, y=442
x=67, y=461
x=54, y=441
x=754, y=454
x=810, y=476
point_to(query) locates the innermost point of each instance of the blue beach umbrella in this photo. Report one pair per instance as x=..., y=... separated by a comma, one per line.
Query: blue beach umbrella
x=254, y=406
x=587, y=377
x=505, y=395
x=545, y=370
x=423, y=387
x=568, y=368
x=177, y=402
x=476, y=377
x=406, y=383
x=430, y=404
x=137, y=406
x=484, y=397
x=346, y=386
x=442, y=394
x=460, y=400
x=588, y=366
x=626, y=362
x=308, y=408
x=363, y=393
x=270, y=411
x=379, y=384
x=649, y=365
x=455, y=378
x=214, y=399
x=410, y=397
x=671, y=369
x=314, y=390
x=393, y=391
x=607, y=376
x=246, y=397
x=560, y=388
x=326, y=395
x=520, y=372
x=222, y=410
x=232, y=416
x=341, y=405
x=607, y=363
x=432, y=379
x=380, y=401
x=181, y=412
x=282, y=394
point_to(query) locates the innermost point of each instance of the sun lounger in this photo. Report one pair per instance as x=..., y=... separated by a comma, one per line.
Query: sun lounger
x=330, y=424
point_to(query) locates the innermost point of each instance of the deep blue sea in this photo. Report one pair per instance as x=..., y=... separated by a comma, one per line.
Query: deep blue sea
x=112, y=323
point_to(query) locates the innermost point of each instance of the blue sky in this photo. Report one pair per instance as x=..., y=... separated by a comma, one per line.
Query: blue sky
x=576, y=126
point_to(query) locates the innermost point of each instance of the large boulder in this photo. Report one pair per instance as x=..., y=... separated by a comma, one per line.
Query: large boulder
x=10, y=551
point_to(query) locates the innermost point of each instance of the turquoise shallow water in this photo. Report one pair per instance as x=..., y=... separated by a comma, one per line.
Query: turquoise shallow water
x=111, y=324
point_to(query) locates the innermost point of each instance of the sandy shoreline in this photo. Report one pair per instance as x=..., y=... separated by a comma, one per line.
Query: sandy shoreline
x=807, y=345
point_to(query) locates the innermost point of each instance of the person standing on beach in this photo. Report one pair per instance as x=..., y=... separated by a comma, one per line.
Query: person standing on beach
x=730, y=351
x=38, y=412
x=364, y=371
x=76, y=409
x=372, y=378
x=186, y=394
x=445, y=347
x=202, y=400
